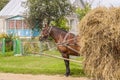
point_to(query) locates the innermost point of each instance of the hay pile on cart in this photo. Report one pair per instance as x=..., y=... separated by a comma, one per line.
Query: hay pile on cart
x=100, y=43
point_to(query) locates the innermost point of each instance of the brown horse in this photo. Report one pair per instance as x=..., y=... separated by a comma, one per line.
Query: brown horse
x=66, y=43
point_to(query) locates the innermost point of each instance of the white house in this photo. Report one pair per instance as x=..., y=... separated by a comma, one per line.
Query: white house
x=12, y=13
x=13, y=8
x=12, y=19
x=2, y=24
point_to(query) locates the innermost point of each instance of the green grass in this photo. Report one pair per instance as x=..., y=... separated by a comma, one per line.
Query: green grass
x=38, y=65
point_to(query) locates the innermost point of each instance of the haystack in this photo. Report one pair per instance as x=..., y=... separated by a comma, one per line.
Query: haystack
x=100, y=43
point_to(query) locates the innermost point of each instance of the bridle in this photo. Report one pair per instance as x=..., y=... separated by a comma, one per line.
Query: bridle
x=49, y=30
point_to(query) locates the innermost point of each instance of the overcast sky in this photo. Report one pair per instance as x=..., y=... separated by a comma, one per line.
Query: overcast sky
x=107, y=3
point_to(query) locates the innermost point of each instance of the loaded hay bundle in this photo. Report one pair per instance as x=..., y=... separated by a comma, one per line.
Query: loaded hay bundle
x=100, y=43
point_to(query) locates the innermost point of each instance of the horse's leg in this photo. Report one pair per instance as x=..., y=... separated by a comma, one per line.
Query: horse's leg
x=66, y=64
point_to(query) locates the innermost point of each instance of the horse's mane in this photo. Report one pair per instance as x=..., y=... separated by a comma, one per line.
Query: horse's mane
x=60, y=29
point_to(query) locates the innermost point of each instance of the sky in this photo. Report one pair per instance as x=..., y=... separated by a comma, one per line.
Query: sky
x=106, y=3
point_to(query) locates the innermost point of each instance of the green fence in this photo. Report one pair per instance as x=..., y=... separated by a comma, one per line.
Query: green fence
x=3, y=45
x=15, y=44
x=26, y=47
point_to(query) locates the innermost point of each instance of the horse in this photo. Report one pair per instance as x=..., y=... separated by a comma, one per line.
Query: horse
x=67, y=43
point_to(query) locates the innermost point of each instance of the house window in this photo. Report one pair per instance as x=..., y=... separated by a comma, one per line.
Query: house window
x=25, y=25
x=18, y=24
x=11, y=24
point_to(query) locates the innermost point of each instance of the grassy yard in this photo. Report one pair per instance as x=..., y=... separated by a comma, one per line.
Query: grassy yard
x=39, y=65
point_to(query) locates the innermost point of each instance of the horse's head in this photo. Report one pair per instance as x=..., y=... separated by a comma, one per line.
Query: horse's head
x=45, y=32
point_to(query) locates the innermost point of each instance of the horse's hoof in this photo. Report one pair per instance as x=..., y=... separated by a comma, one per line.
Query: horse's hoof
x=67, y=74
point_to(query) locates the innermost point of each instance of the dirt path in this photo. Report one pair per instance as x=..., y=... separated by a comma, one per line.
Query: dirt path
x=10, y=76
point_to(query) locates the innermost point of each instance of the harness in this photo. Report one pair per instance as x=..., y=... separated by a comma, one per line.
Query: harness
x=65, y=42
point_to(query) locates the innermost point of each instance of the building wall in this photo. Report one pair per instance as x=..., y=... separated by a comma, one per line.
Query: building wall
x=73, y=19
x=19, y=27
x=17, y=24
x=73, y=22
x=2, y=26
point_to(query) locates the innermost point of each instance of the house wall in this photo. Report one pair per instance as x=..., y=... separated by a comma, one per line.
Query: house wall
x=73, y=22
x=18, y=24
x=18, y=27
x=2, y=26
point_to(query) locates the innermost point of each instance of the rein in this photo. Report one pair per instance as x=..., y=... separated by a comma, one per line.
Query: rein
x=67, y=44
x=66, y=41
x=49, y=30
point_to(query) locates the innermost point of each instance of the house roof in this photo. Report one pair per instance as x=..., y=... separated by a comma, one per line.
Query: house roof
x=13, y=8
x=17, y=7
x=18, y=17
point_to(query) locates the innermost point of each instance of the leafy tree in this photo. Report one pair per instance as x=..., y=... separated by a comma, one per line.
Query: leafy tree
x=82, y=12
x=47, y=11
x=61, y=22
x=3, y=3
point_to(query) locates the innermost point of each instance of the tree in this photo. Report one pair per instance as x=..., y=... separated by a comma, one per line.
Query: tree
x=61, y=22
x=3, y=3
x=47, y=11
x=82, y=12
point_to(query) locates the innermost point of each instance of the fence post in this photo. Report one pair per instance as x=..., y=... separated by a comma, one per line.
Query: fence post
x=14, y=46
x=17, y=47
x=3, y=45
x=40, y=45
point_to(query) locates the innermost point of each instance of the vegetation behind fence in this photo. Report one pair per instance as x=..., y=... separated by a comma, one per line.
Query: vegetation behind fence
x=34, y=47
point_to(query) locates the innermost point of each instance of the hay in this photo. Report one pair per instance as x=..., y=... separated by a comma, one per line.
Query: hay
x=100, y=43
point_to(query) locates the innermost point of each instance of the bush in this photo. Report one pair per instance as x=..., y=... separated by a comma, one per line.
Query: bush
x=8, y=45
x=11, y=53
